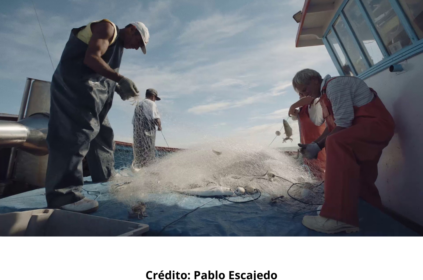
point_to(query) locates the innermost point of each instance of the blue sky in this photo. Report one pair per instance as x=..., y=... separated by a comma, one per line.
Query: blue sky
x=223, y=68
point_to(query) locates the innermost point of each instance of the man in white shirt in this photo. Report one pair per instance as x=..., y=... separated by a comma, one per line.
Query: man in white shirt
x=146, y=118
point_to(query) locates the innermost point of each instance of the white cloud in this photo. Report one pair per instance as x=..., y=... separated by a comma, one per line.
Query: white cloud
x=220, y=106
x=239, y=57
x=213, y=29
x=279, y=88
x=220, y=124
x=209, y=108
x=276, y=115
x=229, y=83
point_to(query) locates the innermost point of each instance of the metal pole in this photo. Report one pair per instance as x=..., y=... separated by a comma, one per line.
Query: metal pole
x=20, y=117
x=12, y=134
x=24, y=99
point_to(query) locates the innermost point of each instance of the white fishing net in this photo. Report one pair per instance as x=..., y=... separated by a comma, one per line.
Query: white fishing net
x=228, y=164
x=144, y=132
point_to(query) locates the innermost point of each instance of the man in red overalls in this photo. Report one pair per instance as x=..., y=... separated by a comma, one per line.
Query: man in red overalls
x=358, y=128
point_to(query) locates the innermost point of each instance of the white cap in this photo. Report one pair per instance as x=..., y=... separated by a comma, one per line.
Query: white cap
x=145, y=35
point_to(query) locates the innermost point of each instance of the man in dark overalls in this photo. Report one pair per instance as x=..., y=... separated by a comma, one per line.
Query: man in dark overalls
x=82, y=91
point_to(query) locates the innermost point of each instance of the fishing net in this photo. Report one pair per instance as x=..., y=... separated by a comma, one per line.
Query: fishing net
x=144, y=132
x=124, y=156
x=317, y=167
x=227, y=164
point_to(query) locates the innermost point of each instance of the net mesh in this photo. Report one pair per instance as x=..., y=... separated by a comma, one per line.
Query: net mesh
x=124, y=154
x=228, y=164
x=144, y=131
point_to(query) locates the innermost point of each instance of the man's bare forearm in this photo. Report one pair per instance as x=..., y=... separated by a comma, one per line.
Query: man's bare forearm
x=158, y=122
x=98, y=65
x=303, y=101
x=323, y=135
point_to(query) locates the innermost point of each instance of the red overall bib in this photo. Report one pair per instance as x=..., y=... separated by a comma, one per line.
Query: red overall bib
x=352, y=156
x=310, y=132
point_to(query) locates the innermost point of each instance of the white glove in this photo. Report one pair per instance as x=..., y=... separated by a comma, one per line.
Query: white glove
x=309, y=151
x=126, y=89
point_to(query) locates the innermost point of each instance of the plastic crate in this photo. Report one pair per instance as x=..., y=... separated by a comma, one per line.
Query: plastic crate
x=49, y=222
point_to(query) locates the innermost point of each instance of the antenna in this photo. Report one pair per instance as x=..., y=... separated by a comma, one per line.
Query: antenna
x=42, y=33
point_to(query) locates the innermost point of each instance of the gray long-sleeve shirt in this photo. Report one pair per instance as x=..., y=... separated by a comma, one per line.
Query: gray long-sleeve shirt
x=344, y=93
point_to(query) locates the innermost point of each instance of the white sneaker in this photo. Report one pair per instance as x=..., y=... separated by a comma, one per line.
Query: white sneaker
x=325, y=225
x=84, y=205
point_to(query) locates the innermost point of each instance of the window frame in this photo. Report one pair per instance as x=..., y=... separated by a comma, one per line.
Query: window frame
x=341, y=46
x=416, y=46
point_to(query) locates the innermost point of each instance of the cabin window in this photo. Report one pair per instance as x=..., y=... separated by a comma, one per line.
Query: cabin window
x=414, y=11
x=363, y=33
x=350, y=46
x=387, y=24
x=336, y=47
x=365, y=37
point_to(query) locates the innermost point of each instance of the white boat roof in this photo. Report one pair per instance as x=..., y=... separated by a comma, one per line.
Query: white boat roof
x=316, y=16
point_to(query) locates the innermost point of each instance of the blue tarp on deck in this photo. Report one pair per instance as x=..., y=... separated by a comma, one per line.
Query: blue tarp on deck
x=216, y=218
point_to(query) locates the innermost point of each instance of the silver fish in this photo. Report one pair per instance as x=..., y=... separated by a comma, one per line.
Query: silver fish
x=288, y=131
x=209, y=191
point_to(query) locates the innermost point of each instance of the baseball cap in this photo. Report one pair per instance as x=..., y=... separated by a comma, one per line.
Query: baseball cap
x=153, y=92
x=145, y=35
